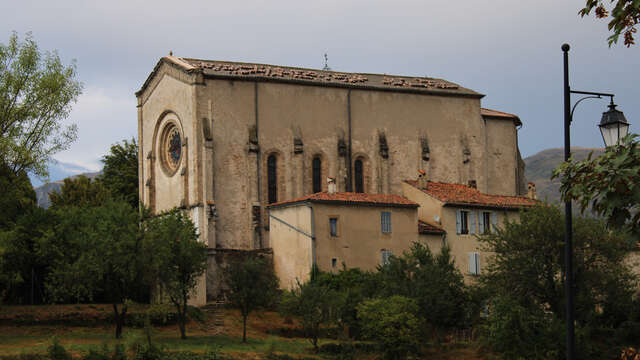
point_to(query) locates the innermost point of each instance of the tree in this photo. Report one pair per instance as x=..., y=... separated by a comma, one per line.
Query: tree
x=22, y=265
x=610, y=183
x=252, y=284
x=120, y=172
x=79, y=191
x=97, y=250
x=180, y=259
x=433, y=281
x=525, y=270
x=353, y=286
x=18, y=196
x=314, y=304
x=36, y=93
x=625, y=15
x=393, y=324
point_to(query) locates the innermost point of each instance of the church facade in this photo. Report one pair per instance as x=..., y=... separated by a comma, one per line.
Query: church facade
x=224, y=140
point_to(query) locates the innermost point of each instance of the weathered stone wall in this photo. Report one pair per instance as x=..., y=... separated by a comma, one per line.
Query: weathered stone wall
x=218, y=260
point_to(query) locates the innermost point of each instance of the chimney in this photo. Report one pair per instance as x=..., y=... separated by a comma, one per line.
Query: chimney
x=422, y=179
x=473, y=184
x=531, y=191
x=331, y=185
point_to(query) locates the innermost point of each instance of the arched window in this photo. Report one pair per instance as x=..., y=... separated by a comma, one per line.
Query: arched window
x=359, y=176
x=317, y=174
x=272, y=178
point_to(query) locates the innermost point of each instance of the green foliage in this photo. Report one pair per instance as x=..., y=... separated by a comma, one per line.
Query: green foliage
x=433, y=281
x=526, y=287
x=610, y=183
x=518, y=332
x=625, y=15
x=94, y=354
x=23, y=268
x=315, y=305
x=97, y=250
x=392, y=323
x=119, y=352
x=36, y=93
x=252, y=284
x=120, y=172
x=178, y=258
x=79, y=191
x=353, y=286
x=56, y=351
x=18, y=196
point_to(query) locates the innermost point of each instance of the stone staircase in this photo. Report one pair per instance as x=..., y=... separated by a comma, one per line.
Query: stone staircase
x=214, y=316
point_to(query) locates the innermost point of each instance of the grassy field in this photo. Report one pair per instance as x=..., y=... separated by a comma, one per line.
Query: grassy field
x=262, y=326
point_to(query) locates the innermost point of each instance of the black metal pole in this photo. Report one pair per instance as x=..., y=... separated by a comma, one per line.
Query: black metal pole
x=568, y=236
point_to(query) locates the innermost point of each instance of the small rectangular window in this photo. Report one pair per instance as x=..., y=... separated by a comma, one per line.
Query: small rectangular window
x=334, y=262
x=386, y=255
x=333, y=226
x=486, y=220
x=385, y=220
x=464, y=222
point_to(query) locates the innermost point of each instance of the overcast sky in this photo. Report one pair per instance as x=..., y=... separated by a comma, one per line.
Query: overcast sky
x=506, y=49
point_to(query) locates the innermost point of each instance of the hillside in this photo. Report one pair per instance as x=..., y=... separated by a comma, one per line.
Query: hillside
x=539, y=167
x=43, y=191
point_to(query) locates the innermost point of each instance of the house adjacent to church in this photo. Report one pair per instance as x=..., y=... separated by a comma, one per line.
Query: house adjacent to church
x=223, y=140
x=331, y=230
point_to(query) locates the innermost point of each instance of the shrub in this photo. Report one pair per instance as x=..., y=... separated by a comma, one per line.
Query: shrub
x=119, y=353
x=97, y=355
x=392, y=324
x=56, y=351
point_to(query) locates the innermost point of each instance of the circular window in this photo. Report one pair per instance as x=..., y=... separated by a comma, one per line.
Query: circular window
x=171, y=148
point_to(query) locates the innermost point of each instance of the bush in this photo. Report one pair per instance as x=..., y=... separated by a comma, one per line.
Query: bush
x=56, y=351
x=392, y=323
x=119, y=353
x=517, y=332
x=97, y=355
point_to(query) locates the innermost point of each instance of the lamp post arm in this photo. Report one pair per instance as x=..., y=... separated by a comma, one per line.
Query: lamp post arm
x=573, y=109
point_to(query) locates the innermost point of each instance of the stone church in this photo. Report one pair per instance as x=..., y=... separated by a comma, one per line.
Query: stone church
x=223, y=140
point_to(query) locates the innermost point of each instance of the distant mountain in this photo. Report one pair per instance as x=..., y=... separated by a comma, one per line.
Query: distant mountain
x=538, y=169
x=59, y=170
x=43, y=191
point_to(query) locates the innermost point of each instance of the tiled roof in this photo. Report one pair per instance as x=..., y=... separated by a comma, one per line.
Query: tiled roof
x=263, y=72
x=350, y=198
x=426, y=228
x=495, y=114
x=463, y=195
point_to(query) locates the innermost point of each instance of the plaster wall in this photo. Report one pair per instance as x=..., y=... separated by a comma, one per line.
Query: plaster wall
x=502, y=157
x=463, y=244
x=292, y=250
x=360, y=241
x=430, y=209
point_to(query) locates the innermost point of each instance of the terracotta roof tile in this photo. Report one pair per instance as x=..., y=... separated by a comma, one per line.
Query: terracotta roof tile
x=457, y=194
x=351, y=198
x=426, y=228
x=500, y=115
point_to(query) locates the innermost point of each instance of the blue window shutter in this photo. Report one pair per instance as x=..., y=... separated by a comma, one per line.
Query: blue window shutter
x=472, y=222
x=477, y=263
x=472, y=263
x=458, y=222
x=480, y=222
x=494, y=221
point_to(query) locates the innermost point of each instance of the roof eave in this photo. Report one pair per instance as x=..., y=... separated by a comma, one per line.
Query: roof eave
x=171, y=61
x=487, y=206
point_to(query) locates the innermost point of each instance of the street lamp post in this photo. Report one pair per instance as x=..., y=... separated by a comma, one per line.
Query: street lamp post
x=613, y=127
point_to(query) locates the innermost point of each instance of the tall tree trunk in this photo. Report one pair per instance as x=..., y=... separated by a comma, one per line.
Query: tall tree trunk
x=119, y=318
x=182, y=320
x=244, y=328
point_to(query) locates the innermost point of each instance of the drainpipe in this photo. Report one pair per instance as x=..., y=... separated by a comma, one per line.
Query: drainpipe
x=349, y=152
x=259, y=193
